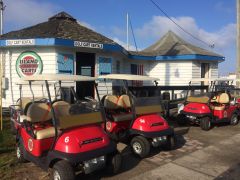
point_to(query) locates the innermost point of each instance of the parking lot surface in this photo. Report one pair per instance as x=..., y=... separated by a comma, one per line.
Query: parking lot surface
x=199, y=154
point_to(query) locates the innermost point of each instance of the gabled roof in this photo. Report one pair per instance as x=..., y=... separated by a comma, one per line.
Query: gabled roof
x=62, y=26
x=172, y=45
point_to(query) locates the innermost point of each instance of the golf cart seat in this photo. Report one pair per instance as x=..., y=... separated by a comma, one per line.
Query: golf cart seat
x=61, y=108
x=124, y=102
x=110, y=102
x=113, y=105
x=24, y=103
x=40, y=113
x=221, y=101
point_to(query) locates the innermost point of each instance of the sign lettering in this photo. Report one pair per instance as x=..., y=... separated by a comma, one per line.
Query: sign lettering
x=88, y=45
x=20, y=42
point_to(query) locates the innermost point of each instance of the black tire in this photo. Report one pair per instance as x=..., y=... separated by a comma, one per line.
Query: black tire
x=114, y=163
x=182, y=120
x=234, y=119
x=20, y=152
x=170, y=144
x=63, y=170
x=140, y=146
x=205, y=123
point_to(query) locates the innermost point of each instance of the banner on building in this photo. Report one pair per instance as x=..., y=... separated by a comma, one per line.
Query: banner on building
x=105, y=65
x=29, y=63
x=65, y=63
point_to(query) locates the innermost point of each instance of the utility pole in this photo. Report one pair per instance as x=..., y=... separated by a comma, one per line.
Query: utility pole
x=238, y=42
x=1, y=16
x=127, y=33
x=1, y=59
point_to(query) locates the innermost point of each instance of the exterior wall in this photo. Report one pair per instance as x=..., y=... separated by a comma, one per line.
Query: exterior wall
x=171, y=73
x=214, y=70
x=11, y=93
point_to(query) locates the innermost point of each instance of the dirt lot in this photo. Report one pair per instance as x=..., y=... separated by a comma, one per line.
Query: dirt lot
x=190, y=140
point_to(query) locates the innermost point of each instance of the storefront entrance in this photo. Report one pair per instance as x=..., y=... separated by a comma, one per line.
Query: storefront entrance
x=85, y=65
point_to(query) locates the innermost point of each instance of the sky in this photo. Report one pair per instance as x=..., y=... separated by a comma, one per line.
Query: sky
x=212, y=21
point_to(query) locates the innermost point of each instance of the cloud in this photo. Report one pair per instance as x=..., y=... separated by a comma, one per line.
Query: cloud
x=22, y=13
x=224, y=39
x=131, y=48
x=159, y=25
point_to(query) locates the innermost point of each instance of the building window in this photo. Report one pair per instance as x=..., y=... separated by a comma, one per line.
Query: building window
x=137, y=69
x=105, y=65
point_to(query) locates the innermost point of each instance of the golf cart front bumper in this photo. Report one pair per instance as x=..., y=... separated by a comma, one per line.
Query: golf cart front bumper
x=195, y=118
x=76, y=158
x=154, y=134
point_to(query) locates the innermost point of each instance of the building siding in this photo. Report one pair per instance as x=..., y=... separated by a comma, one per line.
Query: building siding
x=12, y=94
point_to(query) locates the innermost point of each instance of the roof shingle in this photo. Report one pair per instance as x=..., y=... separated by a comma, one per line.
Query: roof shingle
x=63, y=26
x=172, y=45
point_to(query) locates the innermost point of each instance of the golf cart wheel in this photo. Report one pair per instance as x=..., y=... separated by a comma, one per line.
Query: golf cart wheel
x=62, y=170
x=234, y=119
x=19, y=152
x=140, y=146
x=182, y=120
x=114, y=163
x=171, y=143
x=205, y=123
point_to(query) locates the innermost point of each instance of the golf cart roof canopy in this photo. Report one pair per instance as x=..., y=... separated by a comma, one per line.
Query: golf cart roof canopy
x=226, y=79
x=201, y=80
x=58, y=77
x=40, y=83
x=128, y=77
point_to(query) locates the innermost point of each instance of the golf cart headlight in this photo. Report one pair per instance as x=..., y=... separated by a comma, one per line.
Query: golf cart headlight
x=180, y=107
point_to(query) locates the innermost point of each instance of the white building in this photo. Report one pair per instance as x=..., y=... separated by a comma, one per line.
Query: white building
x=62, y=45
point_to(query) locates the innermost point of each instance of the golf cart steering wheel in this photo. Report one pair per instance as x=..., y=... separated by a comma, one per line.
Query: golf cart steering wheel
x=89, y=98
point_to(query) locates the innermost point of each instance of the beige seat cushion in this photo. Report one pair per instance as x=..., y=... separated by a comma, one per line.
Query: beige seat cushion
x=218, y=108
x=38, y=112
x=110, y=102
x=45, y=133
x=124, y=101
x=122, y=117
x=223, y=98
x=61, y=108
x=22, y=103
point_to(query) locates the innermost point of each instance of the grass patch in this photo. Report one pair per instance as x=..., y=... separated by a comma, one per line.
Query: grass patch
x=7, y=151
x=7, y=140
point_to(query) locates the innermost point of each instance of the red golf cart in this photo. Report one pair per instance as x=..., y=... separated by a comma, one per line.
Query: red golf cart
x=136, y=121
x=207, y=109
x=60, y=137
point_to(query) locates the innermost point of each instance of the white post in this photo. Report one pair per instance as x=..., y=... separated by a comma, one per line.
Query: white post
x=1, y=59
x=127, y=33
x=238, y=41
x=1, y=17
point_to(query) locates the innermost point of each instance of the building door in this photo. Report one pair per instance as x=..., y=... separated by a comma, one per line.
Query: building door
x=205, y=71
x=85, y=65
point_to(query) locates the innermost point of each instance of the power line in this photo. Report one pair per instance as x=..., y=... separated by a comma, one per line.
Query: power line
x=134, y=39
x=184, y=30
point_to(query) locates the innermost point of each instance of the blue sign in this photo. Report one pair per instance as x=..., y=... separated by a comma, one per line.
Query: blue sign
x=65, y=63
x=105, y=65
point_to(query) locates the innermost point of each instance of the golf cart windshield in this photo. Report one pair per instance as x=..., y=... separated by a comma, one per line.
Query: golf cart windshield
x=148, y=105
x=199, y=98
x=65, y=114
